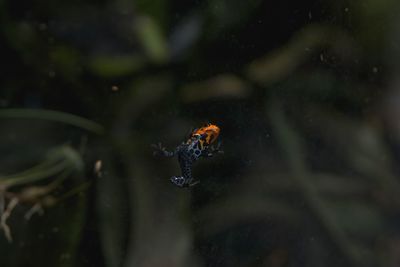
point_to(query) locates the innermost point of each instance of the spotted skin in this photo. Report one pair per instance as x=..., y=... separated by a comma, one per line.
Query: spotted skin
x=198, y=145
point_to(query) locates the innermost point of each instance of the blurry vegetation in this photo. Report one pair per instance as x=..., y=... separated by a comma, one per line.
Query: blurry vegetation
x=306, y=94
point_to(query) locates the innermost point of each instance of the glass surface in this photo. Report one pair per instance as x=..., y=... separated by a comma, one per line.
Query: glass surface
x=302, y=172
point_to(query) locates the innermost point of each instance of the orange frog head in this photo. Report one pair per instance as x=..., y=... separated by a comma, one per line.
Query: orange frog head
x=208, y=134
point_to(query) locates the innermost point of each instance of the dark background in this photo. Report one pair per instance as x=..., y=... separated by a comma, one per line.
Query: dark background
x=307, y=97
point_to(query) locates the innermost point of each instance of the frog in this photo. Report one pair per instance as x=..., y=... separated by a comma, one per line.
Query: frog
x=198, y=145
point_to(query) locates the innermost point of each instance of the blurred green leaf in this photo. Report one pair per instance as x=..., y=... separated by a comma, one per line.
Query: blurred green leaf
x=221, y=86
x=63, y=159
x=66, y=60
x=52, y=115
x=110, y=66
x=157, y=9
x=152, y=39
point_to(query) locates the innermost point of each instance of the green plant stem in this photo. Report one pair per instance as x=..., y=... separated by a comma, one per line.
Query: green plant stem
x=74, y=191
x=291, y=147
x=38, y=174
x=53, y=115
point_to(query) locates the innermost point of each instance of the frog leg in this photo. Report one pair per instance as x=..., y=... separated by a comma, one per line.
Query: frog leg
x=181, y=181
x=159, y=150
x=186, y=180
x=211, y=151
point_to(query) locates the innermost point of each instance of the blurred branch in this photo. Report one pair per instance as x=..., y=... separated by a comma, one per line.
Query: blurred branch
x=220, y=86
x=53, y=115
x=363, y=146
x=60, y=163
x=328, y=184
x=74, y=191
x=38, y=174
x=6, y=214
x=151, y=200
x=279, y=64
x=241, y=209
x=293, y=152
x=59, y=160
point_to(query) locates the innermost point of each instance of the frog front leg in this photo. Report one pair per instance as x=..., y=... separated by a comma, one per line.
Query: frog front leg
x=159, y=150
x=212, y=151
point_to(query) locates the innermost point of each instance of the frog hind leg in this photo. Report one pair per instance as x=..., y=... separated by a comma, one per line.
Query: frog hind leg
x=179, y=181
